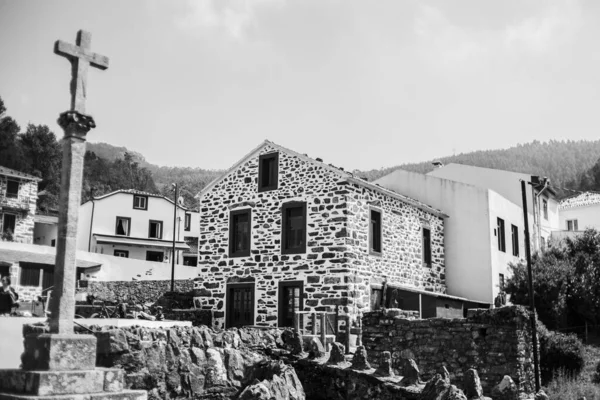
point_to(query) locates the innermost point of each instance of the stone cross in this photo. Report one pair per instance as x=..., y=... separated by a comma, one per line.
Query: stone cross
x=81, y=57
x=76, y=125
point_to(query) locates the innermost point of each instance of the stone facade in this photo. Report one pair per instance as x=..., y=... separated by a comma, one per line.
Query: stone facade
x=495, y=342
x=337, y=268
x=135, y=292
x=22, y=207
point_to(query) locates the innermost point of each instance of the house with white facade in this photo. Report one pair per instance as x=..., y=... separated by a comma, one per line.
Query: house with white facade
x=134, y=224
x=18, y=197
x=578, y=213
x=281, y=232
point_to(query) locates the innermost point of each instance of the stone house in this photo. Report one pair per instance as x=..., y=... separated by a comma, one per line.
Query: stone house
x=18, y=197
x=281, y=232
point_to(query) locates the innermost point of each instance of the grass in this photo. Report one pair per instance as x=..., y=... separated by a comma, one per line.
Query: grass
x=566, y=387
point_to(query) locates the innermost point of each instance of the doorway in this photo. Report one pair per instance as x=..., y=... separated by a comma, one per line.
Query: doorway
x=290, y=301
x=240, y=305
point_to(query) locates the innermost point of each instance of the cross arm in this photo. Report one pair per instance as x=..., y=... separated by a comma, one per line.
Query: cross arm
x=71, y=51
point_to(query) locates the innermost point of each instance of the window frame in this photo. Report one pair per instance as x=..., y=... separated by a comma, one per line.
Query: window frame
x=501, y=282
x=284, y=208
x=187, y=222
x=243, y=252
x=12, y=195
x=34, y=268
x=424, y=254
x=372, y=250
x=261, y=160
x=155, y=221
x=280, y=297
x=126, y=252
x=514, y=232
x=501, y=234
x=128, y=225
x=135, y=196
x=574, y=224
x=545, y=208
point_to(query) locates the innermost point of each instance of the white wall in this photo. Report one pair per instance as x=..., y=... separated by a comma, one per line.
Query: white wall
x=467, y=231
x=43, y=234
x=586, y=216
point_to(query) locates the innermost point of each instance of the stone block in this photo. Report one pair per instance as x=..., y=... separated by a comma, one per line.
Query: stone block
x=59, y=352
x=122, y=395
x=44, y=383
x=114, y=379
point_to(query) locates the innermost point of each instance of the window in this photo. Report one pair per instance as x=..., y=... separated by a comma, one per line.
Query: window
x=191, y=261
x=427, y=247
x=158, y=256
x=515, y=240
x=376, y=298
x=501, y=282
x=293, y=231
x=122, y=253
x=53, y=243
x=239, y=233
x=291, y=295
x=140, y=202
x=12, y=189
x=572, y=225
x=187, y=222
x=30, y=275
x=268, y=172
x=155, y=229
x=543, y=243
x=500, y=234
x=375, y=232
x=8, y=223
x=545, y=208
x=123, y=226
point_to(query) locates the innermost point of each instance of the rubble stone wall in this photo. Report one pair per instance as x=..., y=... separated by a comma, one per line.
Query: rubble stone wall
x=496, y=342
x=23, y=207
x=336, y=269
x=135, y=292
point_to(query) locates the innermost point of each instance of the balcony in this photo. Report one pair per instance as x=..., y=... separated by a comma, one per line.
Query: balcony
x=20, y=203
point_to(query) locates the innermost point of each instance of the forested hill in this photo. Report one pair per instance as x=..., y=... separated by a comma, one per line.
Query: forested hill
x=566, y=163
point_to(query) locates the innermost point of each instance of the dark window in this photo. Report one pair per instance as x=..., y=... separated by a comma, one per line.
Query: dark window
x=239, y=233
x=8, y=223
x=290, y=301
x=30, y=276
x=375, y=232
x=191, y=261
x=12, y=189
x=268, y=171
x=155, y=229
x=515, y=240
x=155, y=256
x=53, y=243
x=188, y=221
x=501, y=282
x=47, y=278
x=501, y=235
x=572, y=225
x=122, y=253
x=140, y=202
x=545, y=208
x=376, y=298
x=123, y=226
x=293, y=232
x=240, y=305
x=427, y=246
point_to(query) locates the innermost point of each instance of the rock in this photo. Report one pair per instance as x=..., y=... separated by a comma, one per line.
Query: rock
x=359, y=361
x=315, y=348
x=438, y=389
x=385, y=365
x=236, y=369
x=444, y=373
x=472, y=385
x=256, y=391
x=410, y=373
x=215, y=369
x=337, y=353
x=541, y=395
x=292, y=340
x=505, y=390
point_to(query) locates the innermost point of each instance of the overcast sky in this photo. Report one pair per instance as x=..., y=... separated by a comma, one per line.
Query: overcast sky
x=362, y=84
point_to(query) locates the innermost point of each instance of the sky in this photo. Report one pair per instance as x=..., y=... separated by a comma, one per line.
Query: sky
x=361, y=84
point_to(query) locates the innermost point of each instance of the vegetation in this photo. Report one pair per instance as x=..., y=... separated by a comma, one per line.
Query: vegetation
x=559, y=353
x=566, y=386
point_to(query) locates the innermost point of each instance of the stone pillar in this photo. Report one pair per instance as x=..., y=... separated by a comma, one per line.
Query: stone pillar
x=62, y=306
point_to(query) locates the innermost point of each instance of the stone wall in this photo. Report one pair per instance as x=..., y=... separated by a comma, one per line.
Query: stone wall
x=23, y=207
x=496, y=342
x=135, y=292
x=336, y=269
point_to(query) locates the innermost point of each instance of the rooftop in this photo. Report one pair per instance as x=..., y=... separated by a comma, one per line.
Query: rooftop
x=580, y=200
x=18, y=174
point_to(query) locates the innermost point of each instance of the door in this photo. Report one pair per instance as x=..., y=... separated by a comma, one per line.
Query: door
x=290, y=301
x=240, y=305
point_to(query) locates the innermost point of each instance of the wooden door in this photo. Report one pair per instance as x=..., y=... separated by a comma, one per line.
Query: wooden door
x=240, y=305
x=290, y=301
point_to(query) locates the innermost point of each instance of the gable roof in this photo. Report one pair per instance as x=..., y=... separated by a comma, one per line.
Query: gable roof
x=345, y=177
x=18, y=174
x=580, y=200
x=136, y=192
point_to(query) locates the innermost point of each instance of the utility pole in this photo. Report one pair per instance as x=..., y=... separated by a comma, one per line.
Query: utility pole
x=174, y=230
x=536, y=359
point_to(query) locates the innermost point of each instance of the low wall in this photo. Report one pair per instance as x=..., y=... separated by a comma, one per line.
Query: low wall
x=195, y=317
x=496, y=342
x=134, y=292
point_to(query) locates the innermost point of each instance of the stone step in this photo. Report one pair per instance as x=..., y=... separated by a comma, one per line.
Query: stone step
x=122, y=395
x=47, y=383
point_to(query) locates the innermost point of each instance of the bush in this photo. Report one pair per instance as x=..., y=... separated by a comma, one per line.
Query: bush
x=559, y=353
x=565, y=387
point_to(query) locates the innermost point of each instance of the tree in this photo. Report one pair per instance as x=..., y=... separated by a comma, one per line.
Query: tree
x=10, y=150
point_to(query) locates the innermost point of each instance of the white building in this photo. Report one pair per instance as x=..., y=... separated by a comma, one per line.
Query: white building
x=134, y=224
x=578, y=213
x=541, y=202
x=483, y=234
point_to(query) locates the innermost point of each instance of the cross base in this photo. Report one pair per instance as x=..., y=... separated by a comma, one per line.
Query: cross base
x=59, y=352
